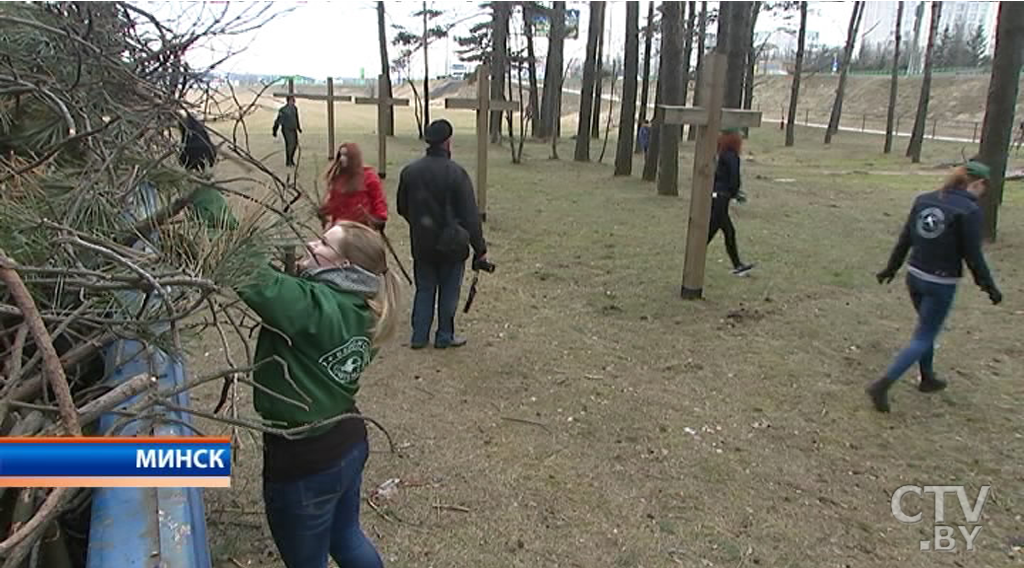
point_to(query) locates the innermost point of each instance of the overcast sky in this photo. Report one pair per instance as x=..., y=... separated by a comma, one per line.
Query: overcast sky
x=321, y=39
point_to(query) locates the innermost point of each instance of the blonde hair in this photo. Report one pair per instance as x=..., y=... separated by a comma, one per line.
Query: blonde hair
x=364, y=247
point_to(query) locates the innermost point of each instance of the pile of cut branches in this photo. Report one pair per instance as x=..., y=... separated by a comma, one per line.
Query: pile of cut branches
x=98, y=242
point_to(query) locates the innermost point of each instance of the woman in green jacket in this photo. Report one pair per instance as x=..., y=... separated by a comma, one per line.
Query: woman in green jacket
x=320, y=331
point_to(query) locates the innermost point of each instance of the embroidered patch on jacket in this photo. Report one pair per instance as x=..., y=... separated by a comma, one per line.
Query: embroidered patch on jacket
x=347, y=362
x=931, y=222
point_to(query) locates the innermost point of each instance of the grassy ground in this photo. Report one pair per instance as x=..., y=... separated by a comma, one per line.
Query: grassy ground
x=595, y=419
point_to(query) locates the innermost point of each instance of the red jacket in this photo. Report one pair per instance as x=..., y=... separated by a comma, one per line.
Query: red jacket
x=345, y=205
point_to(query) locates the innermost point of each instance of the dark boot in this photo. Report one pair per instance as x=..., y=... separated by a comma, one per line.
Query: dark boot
x=929, y=383
x=879, y=393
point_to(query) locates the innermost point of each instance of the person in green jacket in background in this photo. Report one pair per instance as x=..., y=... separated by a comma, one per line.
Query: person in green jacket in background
x=288, y=122
x=321, y=330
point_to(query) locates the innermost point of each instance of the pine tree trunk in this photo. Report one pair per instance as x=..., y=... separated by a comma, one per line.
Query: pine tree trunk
x=672, y=94
x=691, y=16
x=794, y=94
x=384, y=90
x=499, y=64
x=582, y=153
x=999, y=110
x=702, y=30
x=651, y=157
x=531, y=62
x=627, y=110
x=890, y=119
x=595, y=122
x=552, y=93
x=737, y=28
x=426, y=72
x=917, y=136
x=851, y=40
x=648, y=39
x=748, y=82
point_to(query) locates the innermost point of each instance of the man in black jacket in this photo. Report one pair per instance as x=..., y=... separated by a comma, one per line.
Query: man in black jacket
x=288, y=121
x=435, y=196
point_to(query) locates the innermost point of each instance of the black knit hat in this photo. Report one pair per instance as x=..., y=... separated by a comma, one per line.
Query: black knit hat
x=437, y=132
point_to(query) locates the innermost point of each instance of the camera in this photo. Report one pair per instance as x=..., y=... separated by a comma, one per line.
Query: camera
x=483, y=264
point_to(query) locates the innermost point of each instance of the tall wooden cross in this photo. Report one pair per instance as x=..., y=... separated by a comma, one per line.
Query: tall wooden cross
x=383, y=105
x=329, y=98
x=483, y=105
x=709, y=118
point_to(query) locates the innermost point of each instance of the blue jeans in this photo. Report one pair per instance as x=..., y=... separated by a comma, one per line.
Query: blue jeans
x=440, y=282
x=932, y=302
x=319, y=515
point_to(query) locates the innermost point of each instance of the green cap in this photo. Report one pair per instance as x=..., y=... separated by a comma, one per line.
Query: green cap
x=978, y=170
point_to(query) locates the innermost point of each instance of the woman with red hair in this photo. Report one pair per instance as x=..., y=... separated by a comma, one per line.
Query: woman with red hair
x=354, y=191
x=727, y=188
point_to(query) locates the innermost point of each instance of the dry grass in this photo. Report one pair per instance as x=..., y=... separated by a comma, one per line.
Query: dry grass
x=596, y=419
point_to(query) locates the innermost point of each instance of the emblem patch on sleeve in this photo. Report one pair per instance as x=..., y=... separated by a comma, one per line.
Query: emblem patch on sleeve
x=347, y=362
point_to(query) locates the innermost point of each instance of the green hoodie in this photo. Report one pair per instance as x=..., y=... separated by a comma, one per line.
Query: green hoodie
x=321, y=334
x=315, y=329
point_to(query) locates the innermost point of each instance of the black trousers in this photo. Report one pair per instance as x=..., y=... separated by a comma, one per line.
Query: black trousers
x=291, y=142
x=720, y=220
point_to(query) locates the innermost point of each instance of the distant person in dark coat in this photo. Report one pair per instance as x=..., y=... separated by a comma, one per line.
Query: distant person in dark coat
x=288, y=122
x=435, y=196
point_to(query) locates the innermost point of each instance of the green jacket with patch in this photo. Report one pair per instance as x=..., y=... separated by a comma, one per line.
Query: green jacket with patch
x=315, y=329
x=320, y=334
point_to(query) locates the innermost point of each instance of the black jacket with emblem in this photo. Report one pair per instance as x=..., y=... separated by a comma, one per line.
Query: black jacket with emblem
x=423, y=189
x=943, y=232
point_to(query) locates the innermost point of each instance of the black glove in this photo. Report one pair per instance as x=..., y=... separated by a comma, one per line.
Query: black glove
x=886, y=276
x=741, y=197
x=483, y=264
x=994, y=295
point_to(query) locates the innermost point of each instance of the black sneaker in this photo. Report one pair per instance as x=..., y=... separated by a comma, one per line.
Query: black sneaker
x=742, y=269
x=931, y=384
x=879, y=393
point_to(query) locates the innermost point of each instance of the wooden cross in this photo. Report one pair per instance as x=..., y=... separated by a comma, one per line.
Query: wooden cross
x=382, y=119
x=329, y=97
x=709, y=118
x=483, y=105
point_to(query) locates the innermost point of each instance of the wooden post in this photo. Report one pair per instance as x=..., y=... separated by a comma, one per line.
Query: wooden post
x=382, y=139
x=330, y=118
x=483, y=100
x=483, y=105
x=291, y=87
x=382, y=119
x=975, y=135
x=703, y=178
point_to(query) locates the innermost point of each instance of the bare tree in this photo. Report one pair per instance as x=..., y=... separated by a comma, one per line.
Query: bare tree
x=920, y=120
x=702, y=31
x=627, y=110
x=653, y=153
x=844, y=69
x=734, y=23
x=499, y=62
x=691, y=17
x=595, y=122
x=384, y=90
x=671, y=57
x=752, y=53
x=552, y=94
x=648, y=38
x=999, y=111
x=529, y=10
x=582, y=153
x=794, y=94
x=890, y=119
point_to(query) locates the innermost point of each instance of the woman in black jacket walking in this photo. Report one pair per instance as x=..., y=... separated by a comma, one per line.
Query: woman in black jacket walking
x=942, y=232
x=727, y=188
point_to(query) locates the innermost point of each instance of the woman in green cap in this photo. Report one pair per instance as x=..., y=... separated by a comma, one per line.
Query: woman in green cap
x=727, y=188
x=942, y=232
